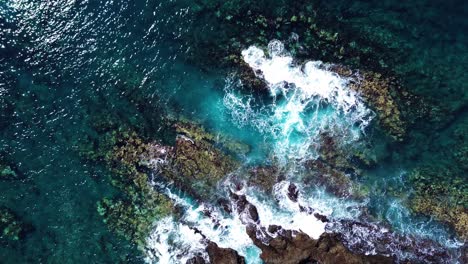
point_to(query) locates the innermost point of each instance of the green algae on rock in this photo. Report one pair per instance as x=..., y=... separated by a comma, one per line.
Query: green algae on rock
x=197, y=162
x=443, y=194
x=379, y=92
x=133, y=212
x=258, y=27
x=265, y=177
x=194, y=162
x=8, y=169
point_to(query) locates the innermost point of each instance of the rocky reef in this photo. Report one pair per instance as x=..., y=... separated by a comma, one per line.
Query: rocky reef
x=309, y=33
x=219, y=255
x=338, y=166
x=442, y=194
x=199, y=161
x=264, y=177
x=137, y=207
x=379, y=92
x=440, y=188
x=346, y=241
x=9, y=171
x=196, y=163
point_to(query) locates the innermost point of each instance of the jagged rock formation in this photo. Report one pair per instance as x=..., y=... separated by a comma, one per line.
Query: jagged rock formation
x=223, y=255
x=218, y=255
x=290, y=247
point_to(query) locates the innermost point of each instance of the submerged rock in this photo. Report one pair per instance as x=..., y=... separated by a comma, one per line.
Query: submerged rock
x=334, y=169
x=334, y=181
x=8, y=171
x=264, y=177
x=442, y=193
x=195, y=164
x=370, y=238
x=133, y=213
x=11, y=226
x=378, y=91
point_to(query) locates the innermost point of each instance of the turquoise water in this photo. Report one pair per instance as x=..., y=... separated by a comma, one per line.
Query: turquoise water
x=65, y=65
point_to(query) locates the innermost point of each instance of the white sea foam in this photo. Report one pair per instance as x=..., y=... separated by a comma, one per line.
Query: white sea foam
x=228, y=231
x=307, y=100
x=287, y=213
x=402, y=220
x=175, y=242
x=172, y=242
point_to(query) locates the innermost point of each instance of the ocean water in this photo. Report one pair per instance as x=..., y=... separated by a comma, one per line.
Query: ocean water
x=66, y=64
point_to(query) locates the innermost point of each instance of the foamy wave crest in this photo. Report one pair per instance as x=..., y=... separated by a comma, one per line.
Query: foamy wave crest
x=299, y=213
x=172, y=242
x=284, y=212
x=307, y=100
x=177, y=241
x=210, y=223
x=293, y=206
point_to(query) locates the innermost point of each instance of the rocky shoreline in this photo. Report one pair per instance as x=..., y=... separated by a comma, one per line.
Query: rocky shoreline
x=278, y=245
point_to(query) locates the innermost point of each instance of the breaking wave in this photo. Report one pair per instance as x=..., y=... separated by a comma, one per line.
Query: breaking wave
x=306, y=101
x=177, y=240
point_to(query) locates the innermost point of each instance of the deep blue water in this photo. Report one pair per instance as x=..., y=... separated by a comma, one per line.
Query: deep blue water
x=64, y=64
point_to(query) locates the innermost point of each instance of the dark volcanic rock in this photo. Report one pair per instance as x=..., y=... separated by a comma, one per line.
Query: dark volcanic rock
x=250, y=80
x=223, y=255
x=218, y=255
x=244, y=207
x=321, y=217
x=287, y=248
x=196, y=260
x=293, y=192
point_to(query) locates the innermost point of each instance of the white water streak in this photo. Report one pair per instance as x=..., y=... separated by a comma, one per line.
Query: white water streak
x=307, y=100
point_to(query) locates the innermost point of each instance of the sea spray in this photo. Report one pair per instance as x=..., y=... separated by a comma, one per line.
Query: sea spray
x=202, y=221
x=283, y=212
x=307, y=100
x=172, y=242
x=305, y=209
x=213, y=224
x=404, y=222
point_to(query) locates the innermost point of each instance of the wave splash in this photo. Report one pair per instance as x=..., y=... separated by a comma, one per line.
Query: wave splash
x=176, y=241
x=202, y=223
x=306, y=101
